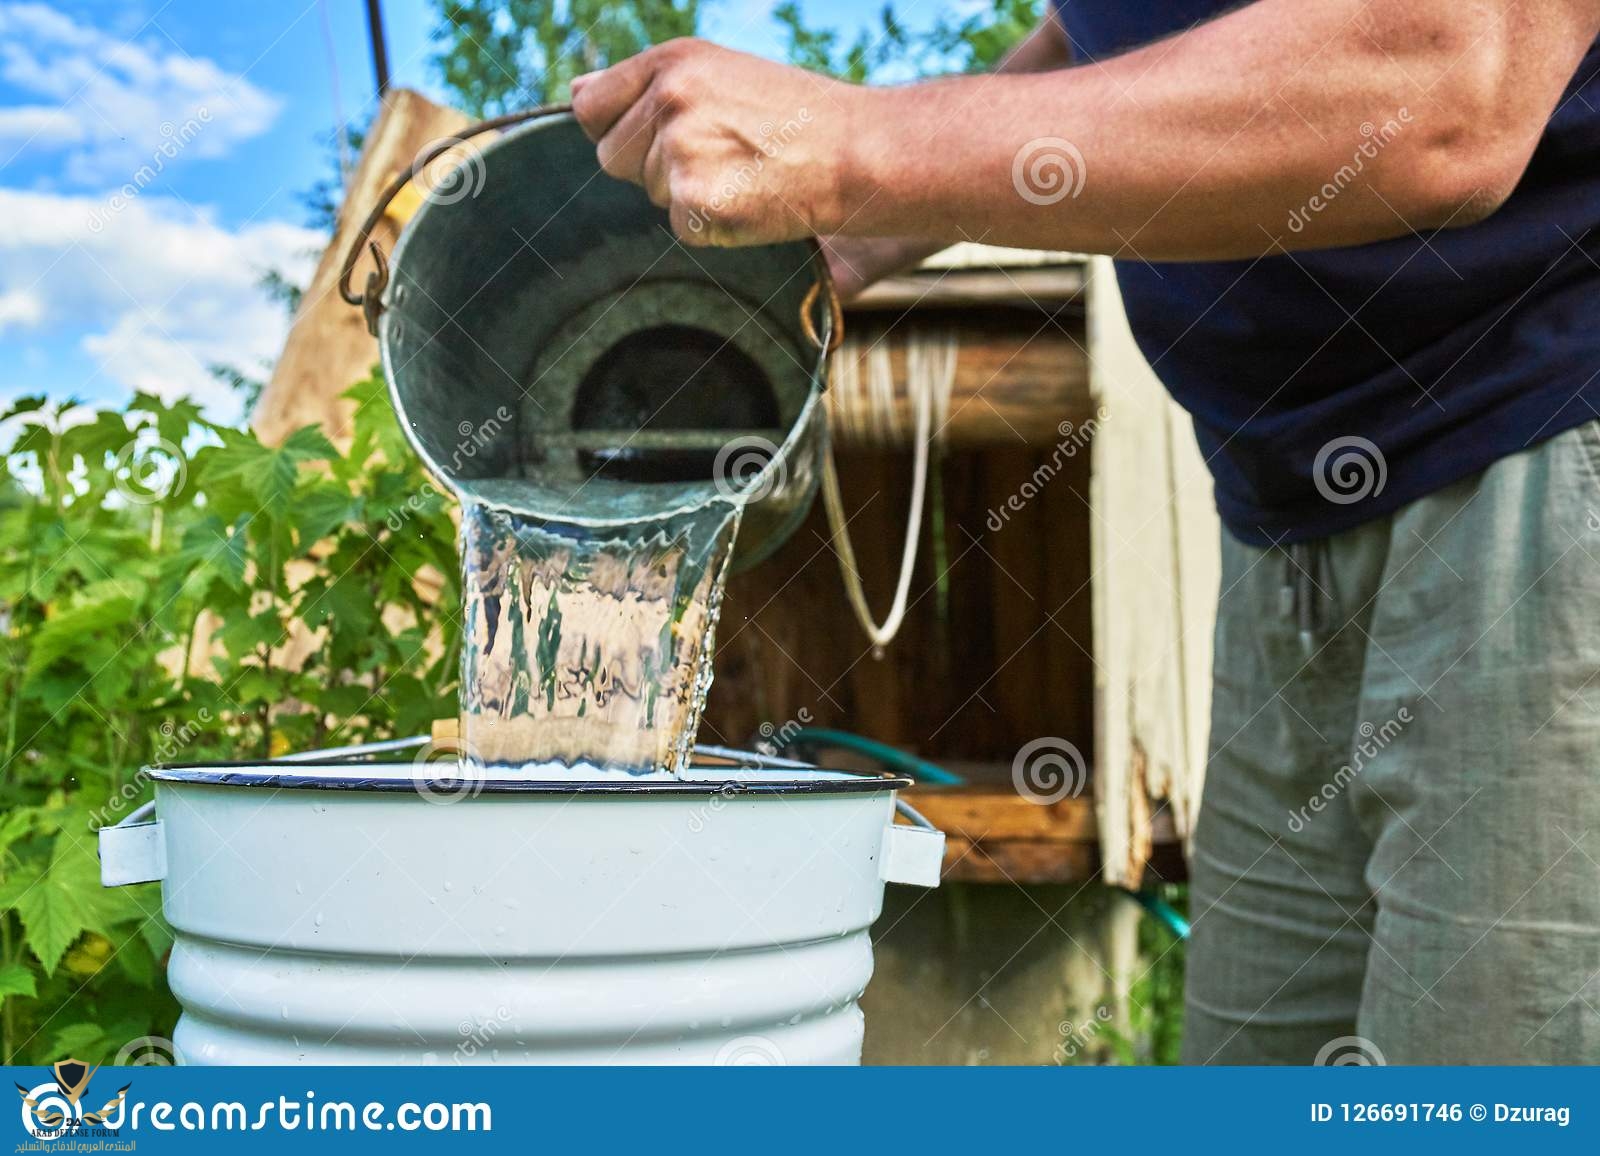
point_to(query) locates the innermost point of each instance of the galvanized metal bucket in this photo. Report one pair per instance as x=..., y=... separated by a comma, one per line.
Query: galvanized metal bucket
x=344, y=913
x=540, y=323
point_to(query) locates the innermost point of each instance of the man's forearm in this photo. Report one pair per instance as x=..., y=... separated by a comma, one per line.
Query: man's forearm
x=1306, y=125
x=858, y=261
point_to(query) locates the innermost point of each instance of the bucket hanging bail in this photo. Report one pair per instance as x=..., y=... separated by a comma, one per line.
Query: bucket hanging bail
x=370, y=299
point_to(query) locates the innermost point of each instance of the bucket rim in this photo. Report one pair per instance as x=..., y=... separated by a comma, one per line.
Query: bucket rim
x=462, y=491
x=402, y=778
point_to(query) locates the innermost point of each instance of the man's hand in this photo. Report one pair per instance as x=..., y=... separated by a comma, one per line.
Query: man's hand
x=739, y=150
x=1281, y=125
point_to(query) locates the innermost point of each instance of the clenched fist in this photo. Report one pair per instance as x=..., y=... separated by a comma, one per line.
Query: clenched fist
x=739, y=150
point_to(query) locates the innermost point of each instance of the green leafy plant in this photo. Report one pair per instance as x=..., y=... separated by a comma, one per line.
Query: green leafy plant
x=499, y=56
x=172, y=590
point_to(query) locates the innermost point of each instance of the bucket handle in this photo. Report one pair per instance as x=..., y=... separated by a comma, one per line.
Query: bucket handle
x=370, y=299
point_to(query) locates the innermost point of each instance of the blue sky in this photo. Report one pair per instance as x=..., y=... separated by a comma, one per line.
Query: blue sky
x=151, y=159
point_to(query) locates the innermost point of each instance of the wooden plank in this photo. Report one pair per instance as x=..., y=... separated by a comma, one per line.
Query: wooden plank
x=1020, y=379
x=993, y=835
x=1020, y=861
x=1042, y=289
x=329, y=348
x=981, y=812
x=1157, y=564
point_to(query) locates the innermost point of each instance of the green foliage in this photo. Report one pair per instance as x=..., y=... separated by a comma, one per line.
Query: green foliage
x=172, y=590
x=889, y=50
x=499, y=56
x=821, y=50
x=981, y=41
x=1155, y=1033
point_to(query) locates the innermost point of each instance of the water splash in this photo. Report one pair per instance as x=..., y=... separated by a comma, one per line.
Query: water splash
x=589, y=649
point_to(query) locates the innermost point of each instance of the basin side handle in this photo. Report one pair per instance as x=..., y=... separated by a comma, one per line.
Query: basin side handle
x=134, y=850
x=912, y=853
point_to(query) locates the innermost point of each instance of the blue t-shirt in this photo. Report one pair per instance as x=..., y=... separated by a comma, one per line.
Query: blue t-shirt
x=1335, y=386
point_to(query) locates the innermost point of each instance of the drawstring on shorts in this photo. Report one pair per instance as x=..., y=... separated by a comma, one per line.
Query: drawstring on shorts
x=1307, y=592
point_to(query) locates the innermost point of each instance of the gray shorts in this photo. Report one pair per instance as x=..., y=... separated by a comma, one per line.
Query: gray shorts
x=1398, y=851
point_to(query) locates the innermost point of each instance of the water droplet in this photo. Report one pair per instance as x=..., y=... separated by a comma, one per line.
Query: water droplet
x=449, y=886
x=318, y=920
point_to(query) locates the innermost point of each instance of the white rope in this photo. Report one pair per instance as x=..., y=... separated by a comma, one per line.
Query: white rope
x=930, y=377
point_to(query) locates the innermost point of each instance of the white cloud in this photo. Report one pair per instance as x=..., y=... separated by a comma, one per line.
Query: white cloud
x=158, y=293
x=111, y=105
x=19, y=307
